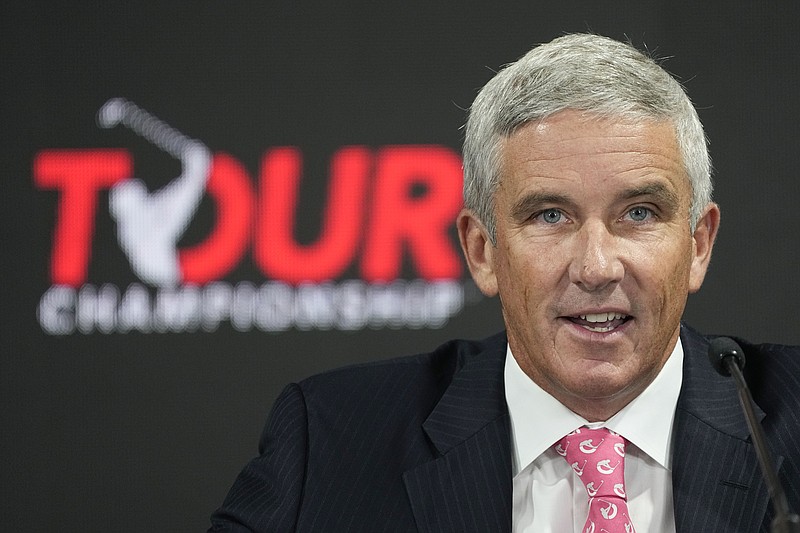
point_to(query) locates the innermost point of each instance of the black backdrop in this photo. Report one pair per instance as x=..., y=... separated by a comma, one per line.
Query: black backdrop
x=104, y=430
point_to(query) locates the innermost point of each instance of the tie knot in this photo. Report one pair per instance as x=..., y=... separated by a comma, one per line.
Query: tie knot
x=598, y=457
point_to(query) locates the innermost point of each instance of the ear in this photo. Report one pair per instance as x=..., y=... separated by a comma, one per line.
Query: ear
x=478, y=251
x=703, y=238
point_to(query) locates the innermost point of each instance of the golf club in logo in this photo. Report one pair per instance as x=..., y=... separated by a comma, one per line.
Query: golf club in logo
x=562, y=451
x=578, y=469
x=592, y=490
x=588, y=447
x=604, y=466
x=607, y=509
x=150, y=224
x=620, y=449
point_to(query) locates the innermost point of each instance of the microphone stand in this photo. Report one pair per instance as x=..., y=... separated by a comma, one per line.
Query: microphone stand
x=785, y=520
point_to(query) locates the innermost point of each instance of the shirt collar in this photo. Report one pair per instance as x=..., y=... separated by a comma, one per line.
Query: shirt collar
x=538, y=420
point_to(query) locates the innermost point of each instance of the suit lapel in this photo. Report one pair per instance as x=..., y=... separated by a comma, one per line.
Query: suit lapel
x=468, y=487
x=717, y=484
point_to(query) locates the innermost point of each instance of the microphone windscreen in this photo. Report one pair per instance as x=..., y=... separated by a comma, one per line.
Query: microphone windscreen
x=721, y=348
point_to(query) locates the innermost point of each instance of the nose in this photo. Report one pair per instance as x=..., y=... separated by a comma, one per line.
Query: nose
x=596, y=261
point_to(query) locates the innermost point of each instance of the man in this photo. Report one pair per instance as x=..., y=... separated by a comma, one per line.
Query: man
x=588, y=211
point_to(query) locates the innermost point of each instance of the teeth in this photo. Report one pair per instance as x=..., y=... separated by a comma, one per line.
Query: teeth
x=599, y=329
x=602, y=317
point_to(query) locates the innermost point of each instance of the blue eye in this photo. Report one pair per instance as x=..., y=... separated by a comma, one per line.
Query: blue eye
x=639, y=214
x=551, y=216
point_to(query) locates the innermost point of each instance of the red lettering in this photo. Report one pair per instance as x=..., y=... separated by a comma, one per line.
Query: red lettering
x=416, y=196
x=230, y=186
x=419, y=219
x=78, y=175
x=276, y=251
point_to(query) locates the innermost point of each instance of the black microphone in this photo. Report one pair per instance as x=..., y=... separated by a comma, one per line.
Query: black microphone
x=728, y=359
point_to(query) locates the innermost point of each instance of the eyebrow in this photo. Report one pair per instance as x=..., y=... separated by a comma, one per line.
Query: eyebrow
x=533, y=202
x=658, y=190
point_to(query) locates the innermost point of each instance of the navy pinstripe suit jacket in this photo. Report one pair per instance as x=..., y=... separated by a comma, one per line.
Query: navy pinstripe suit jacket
x=422, y=444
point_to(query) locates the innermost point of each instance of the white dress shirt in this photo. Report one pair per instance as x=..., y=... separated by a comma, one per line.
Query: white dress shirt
x=548, y=497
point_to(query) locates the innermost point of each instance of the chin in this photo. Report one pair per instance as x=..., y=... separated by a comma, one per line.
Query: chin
x=601, y=386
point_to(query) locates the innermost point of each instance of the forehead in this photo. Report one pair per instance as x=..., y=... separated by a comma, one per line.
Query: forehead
x=583, y=148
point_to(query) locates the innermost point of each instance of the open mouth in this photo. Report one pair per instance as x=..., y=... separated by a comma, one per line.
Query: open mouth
x=600, y=322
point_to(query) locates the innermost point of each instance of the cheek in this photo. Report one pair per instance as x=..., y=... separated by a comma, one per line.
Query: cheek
x=679, y=284
x=671, y=283
x=527, y=282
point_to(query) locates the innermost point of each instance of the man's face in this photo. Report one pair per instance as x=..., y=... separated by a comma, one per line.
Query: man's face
x=594, y=256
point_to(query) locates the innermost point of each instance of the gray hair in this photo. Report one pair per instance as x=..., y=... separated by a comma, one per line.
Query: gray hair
x=583, y=72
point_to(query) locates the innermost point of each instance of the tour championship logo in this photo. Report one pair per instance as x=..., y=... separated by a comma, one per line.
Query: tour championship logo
x=385, y=207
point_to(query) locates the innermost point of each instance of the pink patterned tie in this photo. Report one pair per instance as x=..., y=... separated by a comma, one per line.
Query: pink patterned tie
x=598, y=457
